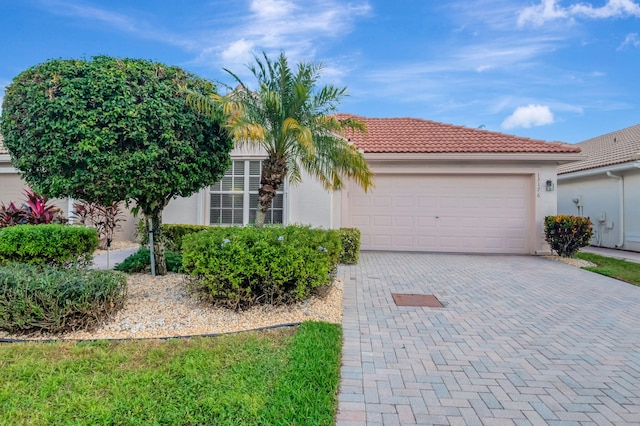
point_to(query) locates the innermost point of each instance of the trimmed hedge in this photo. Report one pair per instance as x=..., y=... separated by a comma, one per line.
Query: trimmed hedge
x=53, y=244
x=140, y=261
x=567, y=234
x=174, y=234
x=350, y=239
x=42, y=298
x=240, y=267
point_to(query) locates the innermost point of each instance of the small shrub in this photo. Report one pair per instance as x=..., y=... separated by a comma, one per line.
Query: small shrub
x=172, y=234
x=53, y=244
x=140, y=261
x=54, y=300
x=106, y=219
x=567, y=234
x=350, y=239
x=240, y=267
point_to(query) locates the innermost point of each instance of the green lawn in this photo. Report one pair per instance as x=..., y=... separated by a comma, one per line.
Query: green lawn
x=280, y=377
x=615, y=268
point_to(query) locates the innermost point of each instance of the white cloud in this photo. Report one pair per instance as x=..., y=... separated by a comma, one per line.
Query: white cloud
x=529, y=116
x=238, y=51
x=631, y=39
x=293, y=26
x=116, y=20
x=549, y=10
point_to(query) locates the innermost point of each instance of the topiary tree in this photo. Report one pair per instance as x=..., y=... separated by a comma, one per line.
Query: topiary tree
x=107, y=130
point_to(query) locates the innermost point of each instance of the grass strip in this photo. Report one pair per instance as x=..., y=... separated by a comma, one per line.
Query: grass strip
x=306, y=394
x=249, y=378
x=615, y=268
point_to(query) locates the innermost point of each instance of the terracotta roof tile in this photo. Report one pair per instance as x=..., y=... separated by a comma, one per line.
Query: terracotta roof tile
x=413, y=135
x=613, y=148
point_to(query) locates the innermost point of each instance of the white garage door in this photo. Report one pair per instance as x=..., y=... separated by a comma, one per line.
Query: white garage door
x=444, y=213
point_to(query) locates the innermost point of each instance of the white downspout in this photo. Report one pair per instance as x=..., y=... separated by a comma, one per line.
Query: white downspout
x=621, y=202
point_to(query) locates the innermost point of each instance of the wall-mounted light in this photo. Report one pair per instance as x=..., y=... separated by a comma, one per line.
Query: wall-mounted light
x=550, y=186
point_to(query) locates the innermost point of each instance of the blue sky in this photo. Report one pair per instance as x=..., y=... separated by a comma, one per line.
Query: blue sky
x=545, y=69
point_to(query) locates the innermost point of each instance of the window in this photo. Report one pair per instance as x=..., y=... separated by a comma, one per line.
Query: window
x=234, y=199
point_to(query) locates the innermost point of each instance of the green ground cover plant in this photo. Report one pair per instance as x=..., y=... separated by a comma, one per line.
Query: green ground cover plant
x=276, y=377
x=615, y=268
x=42, y=298
x=140, y=261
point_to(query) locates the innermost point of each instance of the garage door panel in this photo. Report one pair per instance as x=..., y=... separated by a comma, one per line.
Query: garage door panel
x=382, y=220
x=455, y=213
x=361, y=221
x=403, y=221
x=426, y=202
x=383, y=202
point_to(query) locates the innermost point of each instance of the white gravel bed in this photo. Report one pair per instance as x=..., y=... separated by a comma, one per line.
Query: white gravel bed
x=579, y=263
x=162, y=306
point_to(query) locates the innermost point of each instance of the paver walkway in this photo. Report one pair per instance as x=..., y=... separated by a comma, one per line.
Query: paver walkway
x=521, y=340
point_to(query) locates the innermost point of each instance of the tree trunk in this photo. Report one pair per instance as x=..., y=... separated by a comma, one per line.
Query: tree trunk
x=158, y=244
x=274, y=171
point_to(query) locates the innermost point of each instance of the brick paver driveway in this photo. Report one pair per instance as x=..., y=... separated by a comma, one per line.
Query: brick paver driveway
x=521, y=340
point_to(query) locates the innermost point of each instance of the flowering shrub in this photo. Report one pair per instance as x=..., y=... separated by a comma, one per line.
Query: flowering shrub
x=567, y=234
x=239, y=267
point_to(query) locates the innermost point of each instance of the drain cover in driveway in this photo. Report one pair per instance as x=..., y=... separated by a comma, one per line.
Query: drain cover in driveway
x=427, y=300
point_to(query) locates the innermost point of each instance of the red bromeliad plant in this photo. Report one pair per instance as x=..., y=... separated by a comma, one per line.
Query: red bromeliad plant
x=11, y=215
x=34, y=211
x=37, y=210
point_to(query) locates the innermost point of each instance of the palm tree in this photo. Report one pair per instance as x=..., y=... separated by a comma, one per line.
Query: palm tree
x=294, y=121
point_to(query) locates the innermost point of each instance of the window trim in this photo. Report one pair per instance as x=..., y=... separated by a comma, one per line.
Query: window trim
x=282, y=191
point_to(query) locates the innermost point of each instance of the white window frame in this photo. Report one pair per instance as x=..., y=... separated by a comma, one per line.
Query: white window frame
x=283, y=192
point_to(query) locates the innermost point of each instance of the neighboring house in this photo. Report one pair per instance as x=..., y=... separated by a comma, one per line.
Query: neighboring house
x=438, y=188
x=606, y=188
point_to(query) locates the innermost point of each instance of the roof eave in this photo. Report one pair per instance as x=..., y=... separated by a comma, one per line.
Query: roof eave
x=558, y=157
x=599, y=170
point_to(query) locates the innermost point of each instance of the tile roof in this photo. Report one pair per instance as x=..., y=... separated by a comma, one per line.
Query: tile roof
x=413, y=135
x=607, y=150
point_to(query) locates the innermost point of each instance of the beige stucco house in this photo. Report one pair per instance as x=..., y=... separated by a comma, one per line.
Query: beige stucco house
x=438, y=188
x=605, y=186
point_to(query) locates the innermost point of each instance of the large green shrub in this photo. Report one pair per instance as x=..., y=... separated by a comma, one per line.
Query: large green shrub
x=350, y=239
x=566, y=234
x=53, y=244
x=140, y=261
x=41, y=298
x=240, y=267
